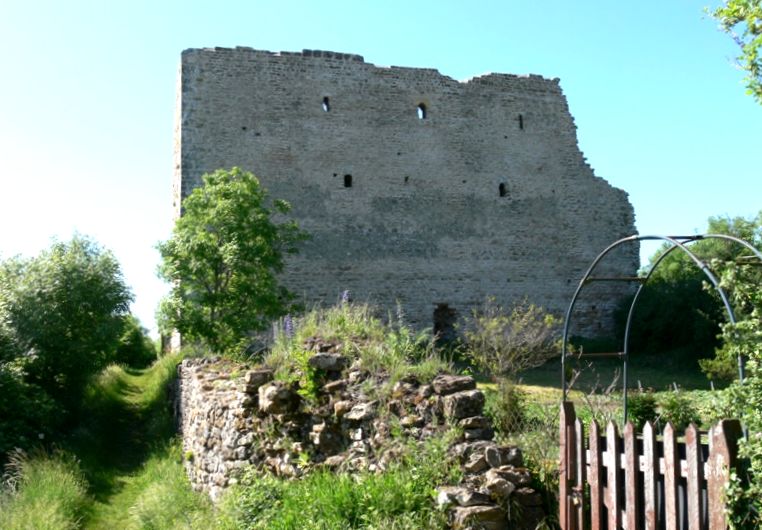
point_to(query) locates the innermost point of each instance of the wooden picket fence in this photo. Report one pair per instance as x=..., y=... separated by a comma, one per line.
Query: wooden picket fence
x=640, y=482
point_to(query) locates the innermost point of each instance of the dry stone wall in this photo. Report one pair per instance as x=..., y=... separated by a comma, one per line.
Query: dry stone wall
x=232, y=417
x=415, y=187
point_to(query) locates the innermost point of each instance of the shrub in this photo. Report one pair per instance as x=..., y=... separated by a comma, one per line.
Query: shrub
x=28, y=416
x=504, y=343
x=641, y=407
x=678, y=409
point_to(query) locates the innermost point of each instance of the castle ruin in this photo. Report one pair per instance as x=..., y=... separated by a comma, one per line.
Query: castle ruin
x=416, y=188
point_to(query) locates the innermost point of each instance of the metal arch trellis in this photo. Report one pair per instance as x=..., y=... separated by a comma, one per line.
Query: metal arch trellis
x=677, y=242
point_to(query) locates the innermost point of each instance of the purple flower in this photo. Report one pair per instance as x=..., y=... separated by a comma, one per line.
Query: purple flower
x=288, y=326
x=345, y=297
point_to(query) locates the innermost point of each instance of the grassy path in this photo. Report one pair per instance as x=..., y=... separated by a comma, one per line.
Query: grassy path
x=126, y=450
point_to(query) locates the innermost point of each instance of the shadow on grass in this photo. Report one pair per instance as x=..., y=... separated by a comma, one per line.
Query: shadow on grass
x=125, y=418
x=658, y=372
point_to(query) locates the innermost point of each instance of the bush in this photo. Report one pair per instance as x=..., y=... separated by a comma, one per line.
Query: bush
x=504, y=343
x=678, y=409
x=679, y=312
x=28, y=416
x=641, y=407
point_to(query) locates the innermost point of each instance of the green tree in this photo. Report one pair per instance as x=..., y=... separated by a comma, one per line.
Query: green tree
x=62, y=315
x=745, y=398
x=223, y=259
x=135, y=348
x=742, y=20
x=679, y=313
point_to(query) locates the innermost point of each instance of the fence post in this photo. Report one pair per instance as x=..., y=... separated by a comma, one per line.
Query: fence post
x=631, y=469
x=723, y=454
x=566, y=468
x=693, y=461
x=650, y=475
x=595, y=477
x=613, y=487
x=581, y=475
x=671, y=478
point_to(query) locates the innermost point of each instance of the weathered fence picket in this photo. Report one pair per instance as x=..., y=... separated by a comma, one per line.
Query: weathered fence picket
x=635, y=482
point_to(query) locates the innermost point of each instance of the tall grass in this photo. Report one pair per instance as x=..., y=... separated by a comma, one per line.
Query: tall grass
x=386, y=348
x=43, y=492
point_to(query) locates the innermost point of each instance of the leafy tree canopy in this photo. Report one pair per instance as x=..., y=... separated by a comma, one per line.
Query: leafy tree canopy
x=223, y=259
x=742, y=20
x=61, y=315
x=678, y=313
x=135, y=348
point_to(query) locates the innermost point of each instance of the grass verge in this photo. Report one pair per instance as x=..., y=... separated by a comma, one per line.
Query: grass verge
x=43, y=491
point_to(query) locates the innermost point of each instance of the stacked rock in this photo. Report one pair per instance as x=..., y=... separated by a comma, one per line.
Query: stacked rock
x=354, y=422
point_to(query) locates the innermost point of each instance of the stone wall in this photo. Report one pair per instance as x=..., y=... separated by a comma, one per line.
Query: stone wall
x=415, y=187
x=232, y=417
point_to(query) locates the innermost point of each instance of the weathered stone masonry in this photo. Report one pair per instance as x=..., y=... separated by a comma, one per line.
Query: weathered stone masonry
x=415, y=187
x=232, y=417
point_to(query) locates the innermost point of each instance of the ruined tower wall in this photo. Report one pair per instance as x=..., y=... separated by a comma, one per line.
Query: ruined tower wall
x=486, y=194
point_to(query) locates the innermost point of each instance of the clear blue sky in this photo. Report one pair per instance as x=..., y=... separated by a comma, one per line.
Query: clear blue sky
x=87, y=94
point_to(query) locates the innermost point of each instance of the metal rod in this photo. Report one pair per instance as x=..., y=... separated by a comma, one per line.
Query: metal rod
x=676, y=242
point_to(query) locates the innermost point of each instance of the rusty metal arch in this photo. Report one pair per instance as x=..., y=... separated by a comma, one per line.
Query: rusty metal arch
x=677, y=242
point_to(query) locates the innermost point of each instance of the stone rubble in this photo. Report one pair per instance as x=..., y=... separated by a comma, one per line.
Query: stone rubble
x=232, y=417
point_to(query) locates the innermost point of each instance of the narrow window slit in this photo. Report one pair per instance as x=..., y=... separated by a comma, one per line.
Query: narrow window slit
x=502, y=189
x=326, y=104
x=347, y=181
x=421, y=111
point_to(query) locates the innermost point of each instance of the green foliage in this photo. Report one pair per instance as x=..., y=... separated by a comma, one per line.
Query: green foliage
x=127, y=453
x=135, y=348
x=505, y=407
x=536, y=432
x=679, y=314
x=61, y=315
x=742, y=20
x=223, y=259
x=745, y=398
x=27, y=414
x=44, y=492
x=382, y=348
x=162, y=497
x=678, y=409
x=399, y=498
x=641, y=407
x=504, y=343
x=130, y=456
